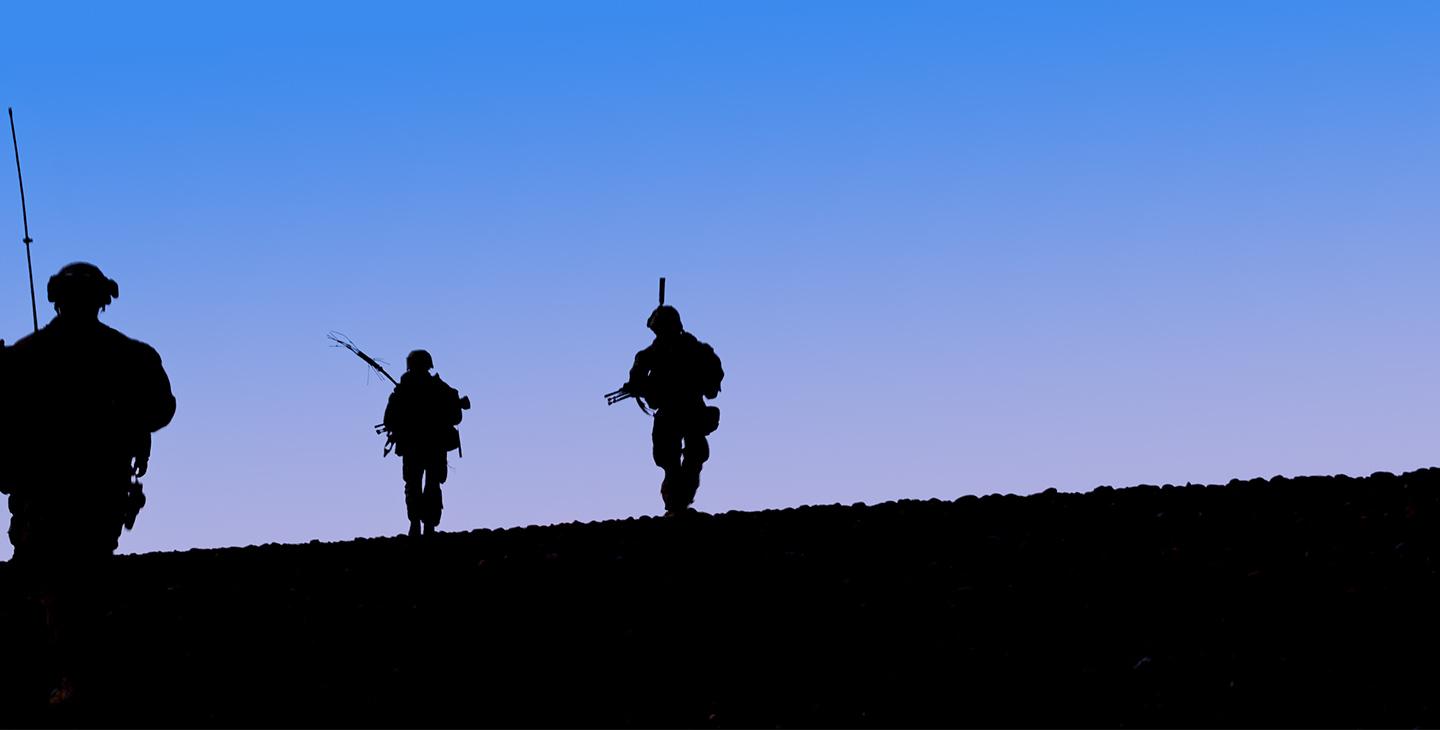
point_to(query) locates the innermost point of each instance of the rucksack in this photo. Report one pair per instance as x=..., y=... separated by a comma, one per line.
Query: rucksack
x=426, y=410
x=708, y=372
x=447, y=407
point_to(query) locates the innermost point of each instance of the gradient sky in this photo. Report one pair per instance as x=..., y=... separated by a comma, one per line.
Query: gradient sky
x=943, y=248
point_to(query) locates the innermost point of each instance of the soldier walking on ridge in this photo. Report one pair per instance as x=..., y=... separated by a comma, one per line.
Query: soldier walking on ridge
x=421, y=418
x=673, y=377
x=81, y=401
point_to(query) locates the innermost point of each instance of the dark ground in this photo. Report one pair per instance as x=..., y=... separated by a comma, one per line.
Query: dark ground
x=1285, y=602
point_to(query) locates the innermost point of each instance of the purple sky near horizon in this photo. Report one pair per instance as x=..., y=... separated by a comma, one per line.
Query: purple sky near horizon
x=943, y=248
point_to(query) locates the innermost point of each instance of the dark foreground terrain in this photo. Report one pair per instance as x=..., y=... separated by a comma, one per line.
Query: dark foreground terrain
x=1284, y=602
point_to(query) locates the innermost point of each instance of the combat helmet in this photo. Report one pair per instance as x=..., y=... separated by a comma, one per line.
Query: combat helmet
x=419, y=360
x=665, y=319
x=83, y=284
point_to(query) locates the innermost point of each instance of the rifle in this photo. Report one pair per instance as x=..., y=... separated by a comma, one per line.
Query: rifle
x=616, y=396
x=619, y=395
x=342, y=340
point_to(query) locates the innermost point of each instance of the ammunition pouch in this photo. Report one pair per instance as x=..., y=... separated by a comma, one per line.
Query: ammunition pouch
x=132, y=503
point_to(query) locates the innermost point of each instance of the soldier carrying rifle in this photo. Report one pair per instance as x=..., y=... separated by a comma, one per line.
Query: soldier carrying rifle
x=673, y=377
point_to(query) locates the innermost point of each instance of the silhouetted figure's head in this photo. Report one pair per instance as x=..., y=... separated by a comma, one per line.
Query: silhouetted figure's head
x=80, y=290
x=665, y=321
x=418, y=361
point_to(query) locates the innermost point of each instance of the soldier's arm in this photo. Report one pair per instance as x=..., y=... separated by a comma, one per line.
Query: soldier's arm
x=719, y=372
x=142, y=456
x=157, y=404
x=392, y=411
x=639, y=374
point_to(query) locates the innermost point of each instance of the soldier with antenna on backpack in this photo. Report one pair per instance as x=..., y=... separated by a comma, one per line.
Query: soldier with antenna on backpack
x=420, y=419
x=673, y=377
x=420, y=425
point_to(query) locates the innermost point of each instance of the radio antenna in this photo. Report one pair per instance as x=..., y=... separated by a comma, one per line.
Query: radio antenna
x=25, y=216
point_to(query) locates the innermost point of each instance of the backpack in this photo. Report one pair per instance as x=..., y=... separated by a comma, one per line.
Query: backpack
x=708, y=372
x=446, y=404
x=448, y=412
x=426, y=410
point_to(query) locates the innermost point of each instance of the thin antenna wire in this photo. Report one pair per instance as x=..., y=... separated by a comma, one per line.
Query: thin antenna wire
x=341, y=340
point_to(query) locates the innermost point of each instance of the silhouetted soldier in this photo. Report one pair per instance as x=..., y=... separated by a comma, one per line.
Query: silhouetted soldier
x=80, y=400
x=674, y=376
x=421, y=418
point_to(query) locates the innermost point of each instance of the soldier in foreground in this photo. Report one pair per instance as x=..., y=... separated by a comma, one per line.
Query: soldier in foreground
x=81, y=401
x=673, y=377
x=420, y=418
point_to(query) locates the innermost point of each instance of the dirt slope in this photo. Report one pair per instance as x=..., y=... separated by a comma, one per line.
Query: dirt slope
x=1284, y=602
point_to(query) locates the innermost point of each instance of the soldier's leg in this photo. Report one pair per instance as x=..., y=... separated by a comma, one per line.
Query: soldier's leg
x=75, y=607
x=75, y=543
x=33, y=572
x=665, y=443
x=413, y=469
x=696, y=452
x=435, y=474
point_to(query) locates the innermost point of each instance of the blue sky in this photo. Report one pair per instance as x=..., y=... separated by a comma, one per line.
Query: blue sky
x=943, y=248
